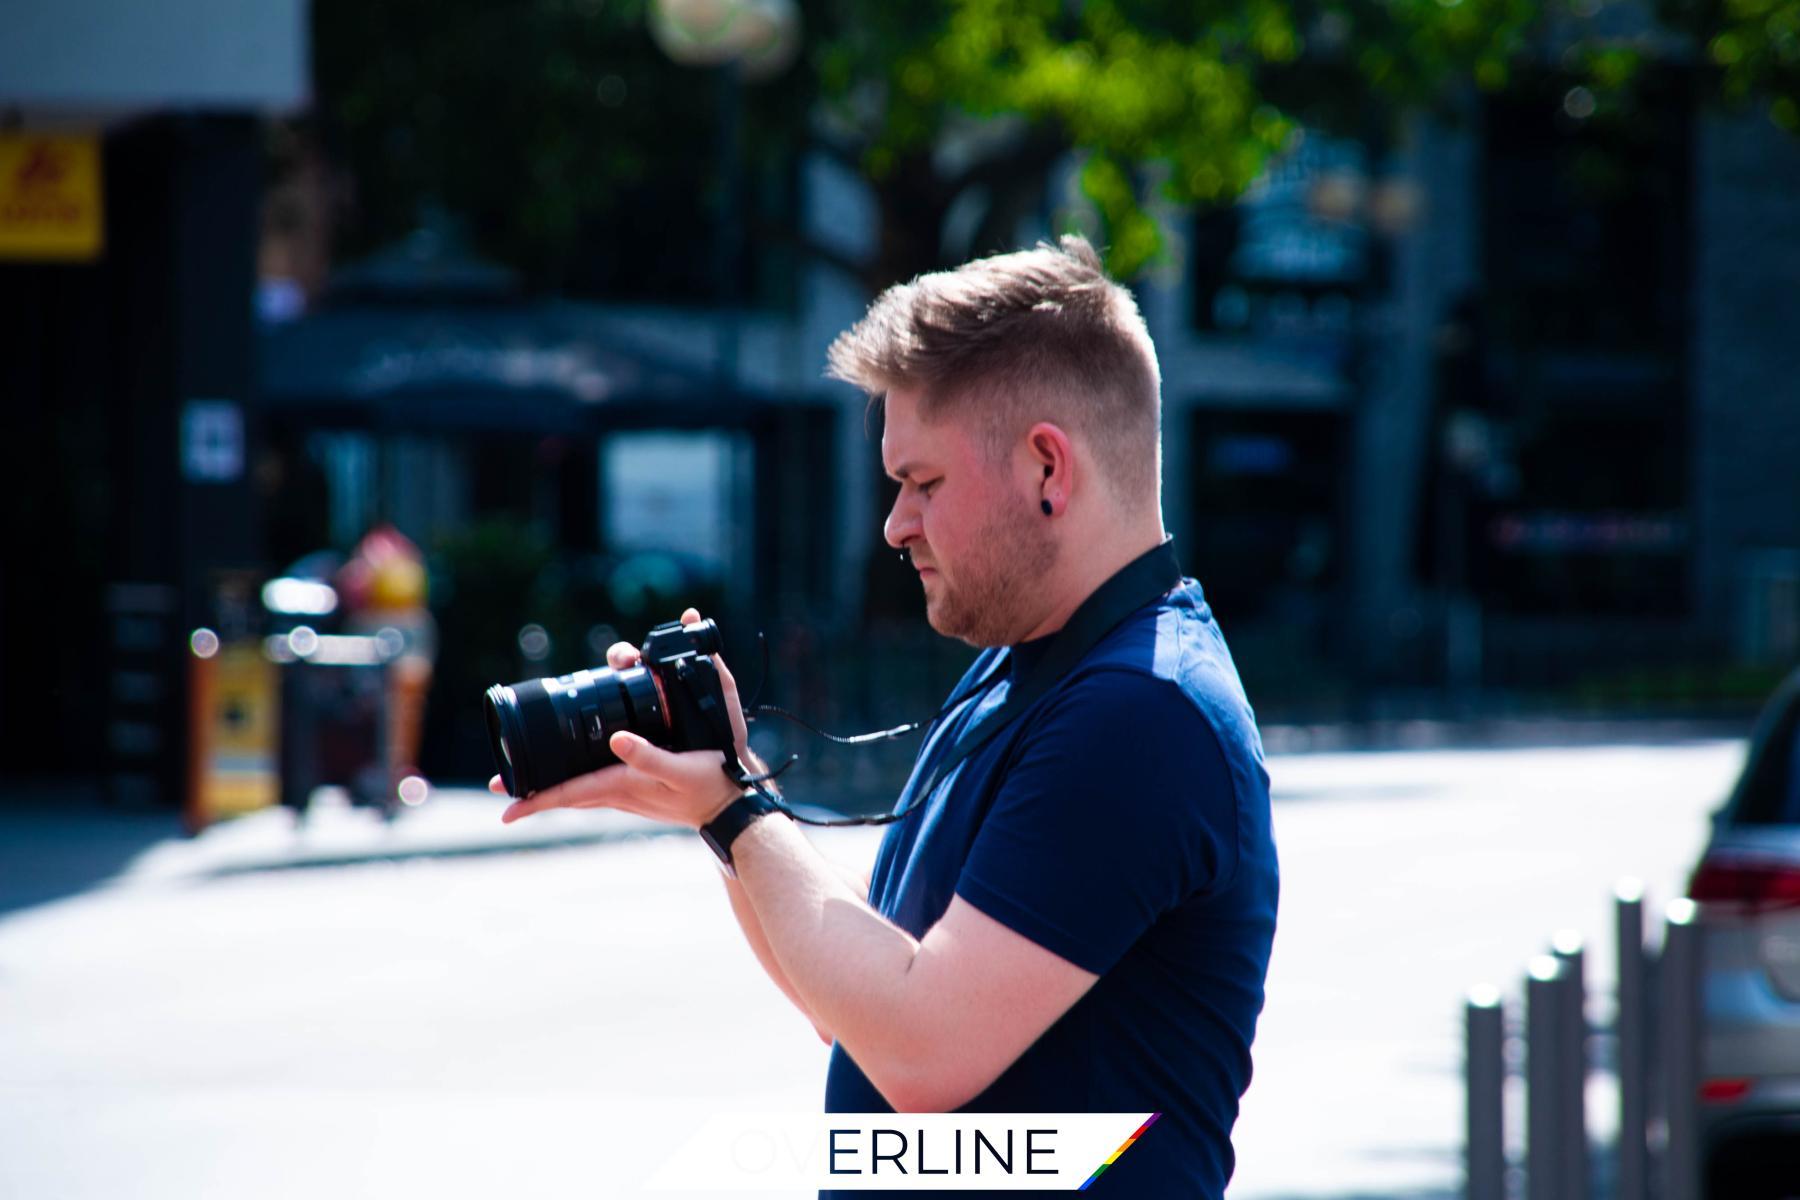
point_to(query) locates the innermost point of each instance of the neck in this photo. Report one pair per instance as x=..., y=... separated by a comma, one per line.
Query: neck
x=1084, y=568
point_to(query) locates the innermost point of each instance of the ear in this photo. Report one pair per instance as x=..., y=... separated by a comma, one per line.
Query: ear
x=1051, y=456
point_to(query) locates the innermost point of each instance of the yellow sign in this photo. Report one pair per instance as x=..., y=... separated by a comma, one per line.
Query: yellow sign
x=235, y=733
x=50, y=199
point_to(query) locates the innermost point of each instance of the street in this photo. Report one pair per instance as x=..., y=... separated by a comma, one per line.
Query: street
x=551, y=1021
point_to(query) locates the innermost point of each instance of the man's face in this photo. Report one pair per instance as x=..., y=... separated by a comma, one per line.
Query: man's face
x=970, y=522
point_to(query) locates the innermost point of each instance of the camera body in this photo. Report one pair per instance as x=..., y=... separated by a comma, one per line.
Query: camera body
x=546, y=731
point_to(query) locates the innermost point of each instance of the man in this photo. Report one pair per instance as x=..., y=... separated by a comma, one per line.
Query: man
x=1076, y=911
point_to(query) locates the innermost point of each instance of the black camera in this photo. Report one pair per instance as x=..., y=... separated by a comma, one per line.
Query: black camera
x=545, y=731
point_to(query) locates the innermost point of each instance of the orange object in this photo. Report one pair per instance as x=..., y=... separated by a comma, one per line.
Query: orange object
x=234, y=724
x=409, y=679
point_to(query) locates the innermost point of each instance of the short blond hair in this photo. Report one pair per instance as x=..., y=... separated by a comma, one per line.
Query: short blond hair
x=1038, y=334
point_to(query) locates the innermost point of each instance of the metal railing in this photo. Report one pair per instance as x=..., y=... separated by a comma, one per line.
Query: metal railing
x=1652, y=1042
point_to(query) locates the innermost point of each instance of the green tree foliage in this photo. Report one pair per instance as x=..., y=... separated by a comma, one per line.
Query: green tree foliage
x=552, y=123
x=1753, y=46
x=1205, y=92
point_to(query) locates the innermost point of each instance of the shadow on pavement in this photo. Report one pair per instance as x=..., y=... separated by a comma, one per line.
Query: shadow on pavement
x=60, y=840
x=377, y=852
x=56, y=843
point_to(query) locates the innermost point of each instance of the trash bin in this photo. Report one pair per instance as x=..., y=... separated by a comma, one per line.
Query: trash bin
x=335, y=723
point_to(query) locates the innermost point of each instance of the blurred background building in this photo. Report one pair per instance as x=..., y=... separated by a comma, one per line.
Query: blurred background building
x=133, y=170
x=1481, y=398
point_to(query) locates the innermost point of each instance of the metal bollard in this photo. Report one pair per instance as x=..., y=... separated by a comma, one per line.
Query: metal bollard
x=1566, y=945
x=1628, y=1028
x=1485, y=1147
x=1680, y=1042
x=1544, y=1124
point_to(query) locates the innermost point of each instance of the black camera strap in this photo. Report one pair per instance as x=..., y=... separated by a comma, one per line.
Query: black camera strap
x=1145, y=579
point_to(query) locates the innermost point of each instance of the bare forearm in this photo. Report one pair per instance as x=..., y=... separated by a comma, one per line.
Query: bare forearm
x=751, y=925
x=745, y=912
x=847, y=963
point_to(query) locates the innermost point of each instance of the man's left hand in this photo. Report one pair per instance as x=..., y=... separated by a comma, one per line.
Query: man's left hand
x=689, y=788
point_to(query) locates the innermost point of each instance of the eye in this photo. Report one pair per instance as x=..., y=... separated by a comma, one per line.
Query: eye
x=928, y=488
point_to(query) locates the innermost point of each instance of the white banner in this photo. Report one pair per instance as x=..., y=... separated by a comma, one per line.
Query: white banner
x=921, y=1152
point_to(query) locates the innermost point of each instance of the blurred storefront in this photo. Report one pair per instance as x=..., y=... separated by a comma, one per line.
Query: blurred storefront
x=424, y=392
x=1505, y=406
x=1600, y=484
x=127, y=372
x=1557, y=461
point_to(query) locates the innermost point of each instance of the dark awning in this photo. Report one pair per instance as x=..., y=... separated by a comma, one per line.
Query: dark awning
x=541, y=368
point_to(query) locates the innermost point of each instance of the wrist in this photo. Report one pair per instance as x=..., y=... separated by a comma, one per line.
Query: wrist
x=737, y=817
x=729, y=796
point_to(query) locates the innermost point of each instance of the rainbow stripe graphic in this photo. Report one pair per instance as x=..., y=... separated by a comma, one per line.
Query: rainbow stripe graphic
x=1101, y=1170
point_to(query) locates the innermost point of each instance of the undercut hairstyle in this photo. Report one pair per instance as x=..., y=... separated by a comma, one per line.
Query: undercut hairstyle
x=1007, y=341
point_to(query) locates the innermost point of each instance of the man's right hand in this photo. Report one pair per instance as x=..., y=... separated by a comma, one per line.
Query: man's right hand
x=621, y=656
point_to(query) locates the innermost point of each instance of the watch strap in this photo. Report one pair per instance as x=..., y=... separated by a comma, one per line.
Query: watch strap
x=739, y=815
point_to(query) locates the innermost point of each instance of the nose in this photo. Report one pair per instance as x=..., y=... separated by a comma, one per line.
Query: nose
x=902, y=525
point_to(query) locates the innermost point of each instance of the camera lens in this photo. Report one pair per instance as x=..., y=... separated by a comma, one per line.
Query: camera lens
x=545, y=731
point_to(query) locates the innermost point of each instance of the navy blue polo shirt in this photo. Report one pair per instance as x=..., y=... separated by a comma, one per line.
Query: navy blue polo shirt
x=1121, y=822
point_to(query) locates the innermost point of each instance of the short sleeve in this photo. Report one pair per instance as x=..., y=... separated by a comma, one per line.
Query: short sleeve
x=1119, y=805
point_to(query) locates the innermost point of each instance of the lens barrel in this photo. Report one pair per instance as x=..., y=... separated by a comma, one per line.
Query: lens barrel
x=545, y=731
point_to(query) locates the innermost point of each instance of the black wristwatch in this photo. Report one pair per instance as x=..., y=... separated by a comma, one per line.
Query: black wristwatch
x=738, y=816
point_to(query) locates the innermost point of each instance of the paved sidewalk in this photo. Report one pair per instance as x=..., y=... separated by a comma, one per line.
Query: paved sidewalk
x=451, y=821
x=197, y=1019
x=66, y=846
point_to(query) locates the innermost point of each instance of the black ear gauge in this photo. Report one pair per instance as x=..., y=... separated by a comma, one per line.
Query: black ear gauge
x=1045, y=505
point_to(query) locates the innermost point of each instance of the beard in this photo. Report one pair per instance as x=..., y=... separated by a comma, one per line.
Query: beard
x=987, y=603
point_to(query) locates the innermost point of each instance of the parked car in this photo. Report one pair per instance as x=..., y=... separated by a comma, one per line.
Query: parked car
x=1748, y=886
